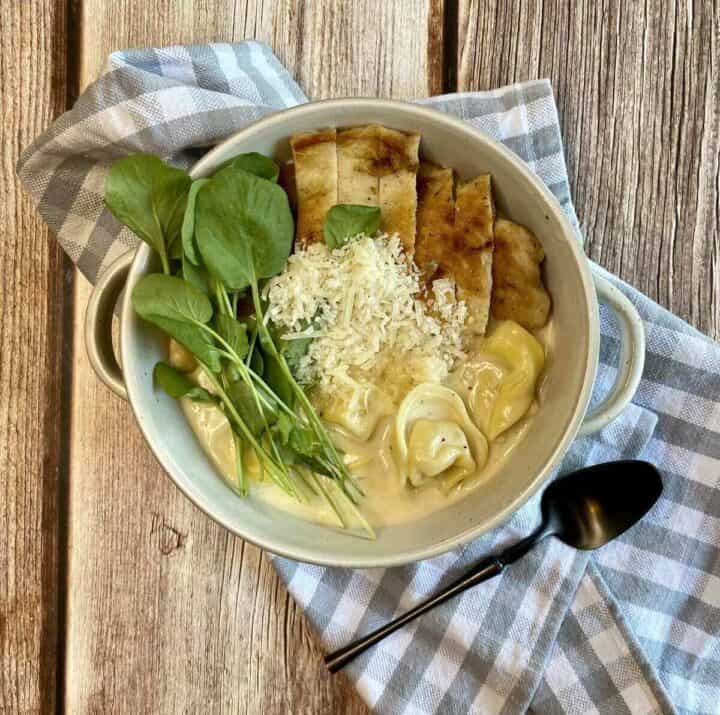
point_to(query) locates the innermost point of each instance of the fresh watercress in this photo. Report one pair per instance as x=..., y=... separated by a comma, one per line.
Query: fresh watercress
x=304, y=443
x=217, y=238
x=234, y=333
x=258, y=419
x=175, y=249
x=257, y=362
x=277, y=380
x=170, y=297
x=177, y=384
x=346, y=221
x=256, y=164
x=188, y=224
x=283, y=427
x=243, y=228
x=196, y=276
x=291, y=351
x=180, y=310
x=149, y=197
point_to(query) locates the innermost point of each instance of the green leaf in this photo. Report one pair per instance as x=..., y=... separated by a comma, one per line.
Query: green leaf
x=257, y=363
x=177, y=385
x=276, y=379
x=284, y=427
x=231, y=372
x=242, y=397
x=273, y=374
x=254, y=163
x=188, y=224
x=196, y=276
x=293, y=350
x=307, y=447
x=175, y=249
x=234, y=333
x=303, y=441
x=243, y=228
x=180, y=310
x=346, y=221
x=169, y=196
x=170, y=297
x=239, y=467
x=191, y=337
x=148, y=196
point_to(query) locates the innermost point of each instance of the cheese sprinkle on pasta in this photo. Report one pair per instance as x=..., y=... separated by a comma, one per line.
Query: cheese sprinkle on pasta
x=362, y=306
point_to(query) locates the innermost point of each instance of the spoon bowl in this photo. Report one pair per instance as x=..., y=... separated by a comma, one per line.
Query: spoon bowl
x=597, y=504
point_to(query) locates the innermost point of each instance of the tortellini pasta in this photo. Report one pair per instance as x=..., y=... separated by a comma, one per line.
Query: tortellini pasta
x=435, y=438
x=438, y=448
x=400, y=376
x=357, y=409
x=499, y=382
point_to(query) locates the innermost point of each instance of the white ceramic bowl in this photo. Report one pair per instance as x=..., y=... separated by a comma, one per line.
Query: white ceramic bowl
x=570, y=371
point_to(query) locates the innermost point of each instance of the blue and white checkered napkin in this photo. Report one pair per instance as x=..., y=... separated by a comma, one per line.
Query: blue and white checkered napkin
x=630, y=629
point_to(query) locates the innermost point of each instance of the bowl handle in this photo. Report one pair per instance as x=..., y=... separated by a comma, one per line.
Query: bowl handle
x=632, y=357
x=98, y=323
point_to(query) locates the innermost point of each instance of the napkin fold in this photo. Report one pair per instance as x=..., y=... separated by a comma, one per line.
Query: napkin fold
x=632, y=628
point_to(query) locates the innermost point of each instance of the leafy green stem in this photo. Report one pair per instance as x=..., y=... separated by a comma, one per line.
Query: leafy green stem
x=239, y=467
x=279, y=475
x=223, y=302
x=339, y=467
x=251, y=348
x=250, y=378
x=165, y=262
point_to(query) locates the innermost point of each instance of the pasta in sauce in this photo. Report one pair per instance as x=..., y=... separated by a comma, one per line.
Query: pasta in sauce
x=359, y=340
x=412, y=461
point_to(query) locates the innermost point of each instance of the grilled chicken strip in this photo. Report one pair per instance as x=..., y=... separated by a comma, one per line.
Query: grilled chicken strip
x=397, y=165
x=377, y=167
x=455, y=238
x=316, y=181
x=471, y=262
x=518, y=291
x=435, y=217
x=357, y=181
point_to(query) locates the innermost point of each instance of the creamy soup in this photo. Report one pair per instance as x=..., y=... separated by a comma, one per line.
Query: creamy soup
x=356, y=337
x=389, y=496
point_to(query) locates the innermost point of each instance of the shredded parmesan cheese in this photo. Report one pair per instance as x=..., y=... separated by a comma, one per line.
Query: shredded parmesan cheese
x=369, y=324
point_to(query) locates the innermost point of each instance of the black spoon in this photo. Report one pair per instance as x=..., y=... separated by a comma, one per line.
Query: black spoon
x=585, y=509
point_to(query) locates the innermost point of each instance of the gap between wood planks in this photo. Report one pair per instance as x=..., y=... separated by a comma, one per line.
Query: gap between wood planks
x=72, y=91
x=63, y=491
x=451, y=30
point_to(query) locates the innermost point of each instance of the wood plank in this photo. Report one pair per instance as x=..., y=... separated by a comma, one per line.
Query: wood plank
x=360, y=48
x=32, y=76
x=637, y=91
x=166, y=611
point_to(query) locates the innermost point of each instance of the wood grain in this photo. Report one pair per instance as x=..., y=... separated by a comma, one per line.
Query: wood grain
x=336, y=49
x=166, y=611
x=32, y=77
x=637, y=87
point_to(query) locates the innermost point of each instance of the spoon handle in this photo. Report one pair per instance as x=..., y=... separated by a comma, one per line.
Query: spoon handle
x=485, y=570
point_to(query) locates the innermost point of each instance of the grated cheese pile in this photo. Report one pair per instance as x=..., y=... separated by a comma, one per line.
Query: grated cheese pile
x=368, y=323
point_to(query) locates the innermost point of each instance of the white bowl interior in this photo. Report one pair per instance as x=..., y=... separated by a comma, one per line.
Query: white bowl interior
x=569, y=373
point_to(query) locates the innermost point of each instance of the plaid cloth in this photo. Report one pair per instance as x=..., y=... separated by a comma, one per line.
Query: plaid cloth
x=632, y=628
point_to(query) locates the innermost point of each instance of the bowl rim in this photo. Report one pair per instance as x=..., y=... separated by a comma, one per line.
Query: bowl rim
x=317, y=555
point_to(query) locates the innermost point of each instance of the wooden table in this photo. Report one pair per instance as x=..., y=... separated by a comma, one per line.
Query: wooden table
x=116, y=594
